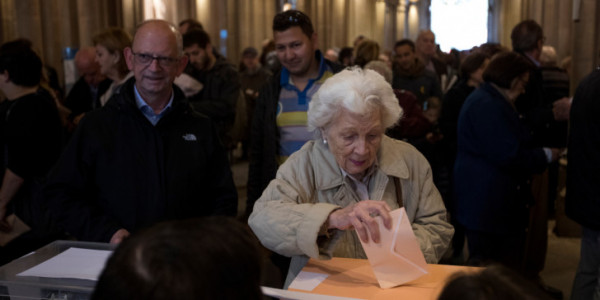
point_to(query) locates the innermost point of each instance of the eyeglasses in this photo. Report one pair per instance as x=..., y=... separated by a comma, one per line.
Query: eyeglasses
x=146, y=59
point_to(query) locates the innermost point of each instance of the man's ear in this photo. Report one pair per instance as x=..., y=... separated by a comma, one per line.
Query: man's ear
x=5, y=76
x=209, y=49
x=315, y=40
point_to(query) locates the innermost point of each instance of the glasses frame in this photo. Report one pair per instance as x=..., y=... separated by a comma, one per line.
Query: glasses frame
x=163, y=61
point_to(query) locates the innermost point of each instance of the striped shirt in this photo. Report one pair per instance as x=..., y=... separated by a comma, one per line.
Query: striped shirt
x=292, y=108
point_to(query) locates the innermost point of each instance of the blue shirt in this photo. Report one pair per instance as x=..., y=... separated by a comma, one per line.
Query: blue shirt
x=147, y=111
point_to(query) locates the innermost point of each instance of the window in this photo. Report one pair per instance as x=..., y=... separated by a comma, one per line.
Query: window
x=459, y=24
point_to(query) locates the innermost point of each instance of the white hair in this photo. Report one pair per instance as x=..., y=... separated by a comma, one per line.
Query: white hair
x=358, y=91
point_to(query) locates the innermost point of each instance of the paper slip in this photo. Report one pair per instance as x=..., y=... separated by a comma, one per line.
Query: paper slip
x=72, y=263
x=397, y=259
x=292, y=295
x=307, y=281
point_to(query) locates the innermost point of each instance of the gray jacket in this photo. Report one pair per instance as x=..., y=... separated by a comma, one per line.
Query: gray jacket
x=289, y=216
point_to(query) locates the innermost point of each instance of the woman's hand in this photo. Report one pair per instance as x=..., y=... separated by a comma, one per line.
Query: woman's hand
x=361, y=216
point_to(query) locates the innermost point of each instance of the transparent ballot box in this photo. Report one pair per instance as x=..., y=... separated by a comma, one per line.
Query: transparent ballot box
x=38, y=287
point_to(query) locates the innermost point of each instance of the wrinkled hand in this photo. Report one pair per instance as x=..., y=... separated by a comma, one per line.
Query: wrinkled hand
x=119, y=236
x=361, y=216
x=4, y=225
x=561, y=109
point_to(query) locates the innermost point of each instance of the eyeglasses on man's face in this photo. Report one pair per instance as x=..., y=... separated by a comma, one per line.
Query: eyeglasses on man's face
x=146, y=59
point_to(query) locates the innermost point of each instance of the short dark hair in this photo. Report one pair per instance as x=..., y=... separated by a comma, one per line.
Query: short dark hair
x=196, y=36
x=23, y=64
x=192, y=24
x=471, y=63
x=405, y=42
x=290, y=18
x=492, y=283
x=526, y=35
x=207, y=258
x=506, y=67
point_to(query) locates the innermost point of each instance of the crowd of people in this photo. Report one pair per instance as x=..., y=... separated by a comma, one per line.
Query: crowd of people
x=334, y=140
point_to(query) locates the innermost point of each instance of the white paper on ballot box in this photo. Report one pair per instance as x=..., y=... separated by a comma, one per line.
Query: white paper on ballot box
x=397, y=259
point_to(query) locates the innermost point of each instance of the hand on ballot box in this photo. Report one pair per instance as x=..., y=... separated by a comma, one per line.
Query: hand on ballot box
x=363, y=216
x=397, y=259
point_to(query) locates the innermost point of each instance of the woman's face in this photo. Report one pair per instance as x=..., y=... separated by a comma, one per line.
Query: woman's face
x=518, y=86
x=105, y=59
x=354, y=140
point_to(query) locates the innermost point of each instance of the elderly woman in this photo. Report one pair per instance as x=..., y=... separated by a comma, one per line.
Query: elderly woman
x=494, y=164
x=346, y=177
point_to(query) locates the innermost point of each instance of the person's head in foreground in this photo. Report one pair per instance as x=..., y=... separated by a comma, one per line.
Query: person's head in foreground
x=208, y=258
x=492, y=283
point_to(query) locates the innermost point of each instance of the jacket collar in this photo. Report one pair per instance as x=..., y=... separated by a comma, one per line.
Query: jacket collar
x=328, y=174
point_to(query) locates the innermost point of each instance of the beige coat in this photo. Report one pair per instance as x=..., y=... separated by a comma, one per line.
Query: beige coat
x=291, y=211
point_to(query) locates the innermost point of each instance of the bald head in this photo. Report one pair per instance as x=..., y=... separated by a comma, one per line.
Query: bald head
x=426, y=44
x=87, y=66
x=166, y=28
x=156, y=58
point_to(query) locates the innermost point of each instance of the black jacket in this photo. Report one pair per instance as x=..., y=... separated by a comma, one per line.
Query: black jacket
x=80, y=99
x=583, y=198
x=264, y=147
x=120, y=171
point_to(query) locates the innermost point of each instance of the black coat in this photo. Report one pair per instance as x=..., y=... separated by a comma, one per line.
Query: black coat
x=583, y=169
x=120, y=171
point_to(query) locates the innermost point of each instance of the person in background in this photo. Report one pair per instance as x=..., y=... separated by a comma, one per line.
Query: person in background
x=582, y=203
x=30, y=144
x=332, y=54
x=144, y=157
x=252, y=77
x=220, y=80
x=189, y=24
x=410, y=74
x=366, y=51
x=109, y=55
x=471, y=76
x=494, y=165
x=348, y=175
x=426, y=52
x=345, y=56
x=84, y=96
x=205, y=258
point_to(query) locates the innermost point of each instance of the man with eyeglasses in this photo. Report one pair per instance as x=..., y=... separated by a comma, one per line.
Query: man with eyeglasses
x=146, y=156
x=220, y=80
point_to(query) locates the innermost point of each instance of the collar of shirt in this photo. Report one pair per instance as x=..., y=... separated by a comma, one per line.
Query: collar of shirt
x=361, y=187
x=286, y=80
x=147, y=111
x=533, y=60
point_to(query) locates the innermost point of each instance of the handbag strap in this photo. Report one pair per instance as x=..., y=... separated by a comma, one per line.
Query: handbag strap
x=398, y=192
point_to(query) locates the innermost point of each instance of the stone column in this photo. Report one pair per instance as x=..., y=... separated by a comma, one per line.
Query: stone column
x=390, y=24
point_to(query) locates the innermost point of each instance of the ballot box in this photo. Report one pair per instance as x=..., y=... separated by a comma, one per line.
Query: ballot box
x=13, y=286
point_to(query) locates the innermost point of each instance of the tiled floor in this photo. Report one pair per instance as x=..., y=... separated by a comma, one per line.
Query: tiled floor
x=561, y=260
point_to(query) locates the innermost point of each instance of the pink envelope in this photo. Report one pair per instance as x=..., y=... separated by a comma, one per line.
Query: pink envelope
x=397, y=259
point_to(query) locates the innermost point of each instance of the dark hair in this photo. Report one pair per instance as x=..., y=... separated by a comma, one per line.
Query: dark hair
x=344, y=53
x=505, y=67
x=24, y=66
x=366, y=51
x=208, y=258
x=526, y=35
x=405, y=42
x=471, y=63
x=492, y=283
x=196, y=36
x=290, y=18
x=491, y=49
x=192, y=24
